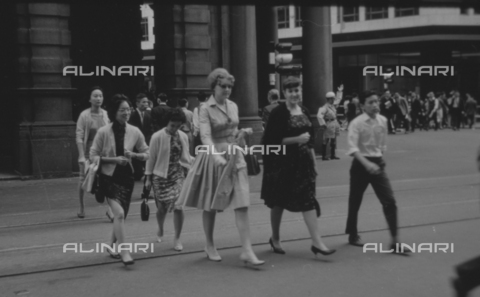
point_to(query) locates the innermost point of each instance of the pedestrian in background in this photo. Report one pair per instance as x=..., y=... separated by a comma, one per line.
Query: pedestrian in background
x=141, y=119
x=367, y=141
x=289, y=179
x=273, y=98
x=416, y=111
x=196, y=124
x=204, y=188
x=158, y=113
x=187, y=126
x=470, y=110
x=88, y=123
x=327, y=118
x=166, y=170
x=113, y=146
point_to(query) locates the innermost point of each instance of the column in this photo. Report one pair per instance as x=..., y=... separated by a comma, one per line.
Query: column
x=46, y=137
x=244, y=67
x=316, y=61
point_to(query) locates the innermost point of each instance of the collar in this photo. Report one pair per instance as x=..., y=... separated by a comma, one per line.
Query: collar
x=139, y=111
x=365, y=117
x=212, y=102
x=163, y=103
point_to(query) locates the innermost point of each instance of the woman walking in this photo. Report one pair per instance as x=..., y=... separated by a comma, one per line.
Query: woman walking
x=166, y=170
x=89, y=121
x=113, y=147
x=218, y=181
x=289, y=179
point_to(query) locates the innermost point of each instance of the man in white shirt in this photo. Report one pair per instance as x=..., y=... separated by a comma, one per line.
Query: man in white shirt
x=367, y=135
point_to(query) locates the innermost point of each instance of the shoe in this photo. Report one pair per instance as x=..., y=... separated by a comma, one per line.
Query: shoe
x=334, y=158
x=277, y=250
x=355, y=240
x=113, y=255
x=325, y=159
x=126, y=263
x=109, y=217
x=159, y=238
x=178, y=246
x=81, y=215
x=248, y=260
x=216, y=258
x=316, y=250
x=459, y=289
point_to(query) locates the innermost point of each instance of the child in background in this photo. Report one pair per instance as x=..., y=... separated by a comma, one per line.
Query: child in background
x=166, y=170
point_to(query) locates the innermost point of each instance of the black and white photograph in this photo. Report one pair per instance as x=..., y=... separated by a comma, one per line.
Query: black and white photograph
x=191, y=148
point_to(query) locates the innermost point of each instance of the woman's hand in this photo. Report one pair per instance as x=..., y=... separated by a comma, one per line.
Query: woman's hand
x=148, y=183
x=303, y=138
x=121, y=160
x=219, y=160
x=130, y=155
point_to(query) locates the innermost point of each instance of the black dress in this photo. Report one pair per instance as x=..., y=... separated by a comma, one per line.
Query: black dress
x=289, y=180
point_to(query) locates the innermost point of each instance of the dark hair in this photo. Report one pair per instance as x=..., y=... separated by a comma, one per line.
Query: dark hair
x=202, y=97
x=175, y=115
x=438, y=94
x=364, y=95
x=291, y=82
x=162, y=97
x=93, y=89
x=117, y=100
x=140, y=97
x=354, y=95
x=182, y=102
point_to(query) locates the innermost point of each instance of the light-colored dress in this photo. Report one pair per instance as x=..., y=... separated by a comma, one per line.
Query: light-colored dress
x=209, y=186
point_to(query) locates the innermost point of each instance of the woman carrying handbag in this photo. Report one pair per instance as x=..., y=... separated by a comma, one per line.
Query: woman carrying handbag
x=114, y=143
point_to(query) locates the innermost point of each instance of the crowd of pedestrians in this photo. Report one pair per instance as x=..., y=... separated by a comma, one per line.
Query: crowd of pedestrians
x=158, y=144
x=408, y=112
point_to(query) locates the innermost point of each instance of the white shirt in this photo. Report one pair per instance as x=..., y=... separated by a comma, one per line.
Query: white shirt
x=368, y=136
x=196, y=123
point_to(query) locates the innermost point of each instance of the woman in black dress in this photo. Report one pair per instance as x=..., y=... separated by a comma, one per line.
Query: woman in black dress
x=289, y=180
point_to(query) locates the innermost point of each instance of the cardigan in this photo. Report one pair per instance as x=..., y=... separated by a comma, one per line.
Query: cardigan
x=84, y=123
x=104, y=146
x=277, y=129
x=160, y=153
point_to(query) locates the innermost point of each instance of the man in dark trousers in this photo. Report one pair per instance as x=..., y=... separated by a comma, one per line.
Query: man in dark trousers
x=141, y=119
x=159, y=113
x=367, y=136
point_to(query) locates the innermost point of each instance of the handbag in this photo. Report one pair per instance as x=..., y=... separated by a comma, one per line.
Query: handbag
x=144, y=209
x=97, y=188
x=253, y=167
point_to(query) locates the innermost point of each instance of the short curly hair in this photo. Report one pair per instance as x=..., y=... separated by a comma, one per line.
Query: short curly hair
x=218, y=74
x=291, y=82
x=175, y=115
x=273, y=94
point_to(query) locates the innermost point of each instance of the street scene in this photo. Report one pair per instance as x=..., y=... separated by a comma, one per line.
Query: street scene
x=170, y=149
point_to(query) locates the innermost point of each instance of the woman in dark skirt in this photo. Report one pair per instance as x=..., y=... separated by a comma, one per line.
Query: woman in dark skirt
x=114, y=144
x=289, y=180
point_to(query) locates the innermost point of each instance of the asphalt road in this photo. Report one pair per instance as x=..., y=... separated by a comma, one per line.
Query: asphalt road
x=434, y=177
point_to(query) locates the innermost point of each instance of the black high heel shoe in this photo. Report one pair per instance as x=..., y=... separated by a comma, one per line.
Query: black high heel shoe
x=316, y=250
x=276, y=250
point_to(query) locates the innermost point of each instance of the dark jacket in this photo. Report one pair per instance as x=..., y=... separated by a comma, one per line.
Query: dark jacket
x=158, y=117
x=277, y=129
x=146, y=127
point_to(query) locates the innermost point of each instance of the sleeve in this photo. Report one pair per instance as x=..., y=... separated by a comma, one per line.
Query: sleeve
x=205, y=127
x=97, y=146
x=142, y=146
x=321, y=115
x=338, y=98
x=80, y=131
x=352, y=138
x=274, y=128
x=195, y=120
x=153, y=152
x=383, y=142
x=311, y=131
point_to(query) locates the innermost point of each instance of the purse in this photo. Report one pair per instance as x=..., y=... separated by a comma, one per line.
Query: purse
x=253, y=167
x=97, y=188
x=144, y=209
